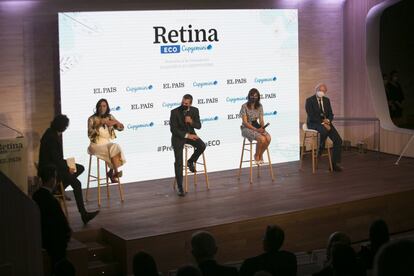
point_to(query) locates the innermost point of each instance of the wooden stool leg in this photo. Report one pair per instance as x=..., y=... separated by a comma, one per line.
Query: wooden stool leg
x=63, y=200
x=241, y=158
x=251, y=165
x=313, y=156
x=89, y=177
x=107, y=182
x=302, y=150
x=195, y=174
x=186, y=171
x=330, y=160
x=270, y=165
x=258, y=167
x=205, y=172
x=121, y=191
x=99, y=182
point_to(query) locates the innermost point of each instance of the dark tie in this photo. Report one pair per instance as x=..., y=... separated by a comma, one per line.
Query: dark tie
x=320, y=104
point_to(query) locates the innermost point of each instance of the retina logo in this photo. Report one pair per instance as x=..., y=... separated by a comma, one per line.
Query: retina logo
x=173, y=85
x=233, y=116
x=104, y=90
x=116, y=108
x=236, y=99
x=209, y=119
x=236, y=81
x=142, y=106
x=272, y=113
x=184, y=35
x=135, y=127
x=207, y=101
x=170, y=105
x=263, y=80
x=135, y=89
x=205, y=83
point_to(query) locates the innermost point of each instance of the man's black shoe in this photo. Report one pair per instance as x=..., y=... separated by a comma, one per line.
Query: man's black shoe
x=336, y=168
x=88, y=216
x=191, y=167
x=181, y=193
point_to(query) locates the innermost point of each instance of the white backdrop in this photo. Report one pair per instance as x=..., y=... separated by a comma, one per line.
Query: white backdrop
x=115, y=55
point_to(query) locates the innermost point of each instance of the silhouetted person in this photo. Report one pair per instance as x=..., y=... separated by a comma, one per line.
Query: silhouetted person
x=188, y=270
x=378, y=236
x=64, y=268
x=395, y=96
x=56, y=232
x=262, y=273
x=144, y=265
x=344, y=261
x=395, y=258
x=275, y=261
x=203, y=248
x=51, y=152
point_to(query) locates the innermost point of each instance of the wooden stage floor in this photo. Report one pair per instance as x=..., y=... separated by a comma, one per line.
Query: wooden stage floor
x=307, y=206
x=152, y=207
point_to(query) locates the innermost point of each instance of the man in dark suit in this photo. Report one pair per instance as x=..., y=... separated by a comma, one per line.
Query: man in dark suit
x=320, y=117
x=203, y=248
x=183, y=120
x=51, y=153
x=55, y=227
x=275, y=261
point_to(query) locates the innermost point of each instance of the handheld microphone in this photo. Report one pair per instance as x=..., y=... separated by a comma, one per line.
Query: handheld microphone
x=266, y=125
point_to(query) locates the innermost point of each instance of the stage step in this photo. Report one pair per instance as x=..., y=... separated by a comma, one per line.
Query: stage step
x=99, y=251
x=98, y=267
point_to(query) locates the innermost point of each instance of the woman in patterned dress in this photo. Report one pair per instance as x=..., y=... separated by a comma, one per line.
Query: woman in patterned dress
x=252, y=129
x=101, y=132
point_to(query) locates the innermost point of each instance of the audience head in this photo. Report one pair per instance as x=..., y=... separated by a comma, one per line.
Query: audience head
x=336, y=238
x=48, y=176
x=188, y=270
x=273, y=238
x=144, y=265
x=253, y=97
x=102, y=108
x=394, y=75
x=262, y=273
x=203, y=246
x=64, y=268
x=60, y=123
x=395, y=258
x=344, y=261
x=378, y=234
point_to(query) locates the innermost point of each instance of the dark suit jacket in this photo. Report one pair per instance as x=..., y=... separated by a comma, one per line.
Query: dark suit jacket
x=177, y=126
x=281, y=263
x=314, y=112
x=212, y=268
x=51, y=151
x=55, y=227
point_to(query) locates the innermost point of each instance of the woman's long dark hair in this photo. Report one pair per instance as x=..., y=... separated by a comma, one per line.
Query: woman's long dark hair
x=97, y=108
x=257, y=104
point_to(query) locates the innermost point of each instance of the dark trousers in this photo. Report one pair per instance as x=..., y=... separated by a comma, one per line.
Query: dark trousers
x=334, y=136
x=199, y=147
x=72, y=180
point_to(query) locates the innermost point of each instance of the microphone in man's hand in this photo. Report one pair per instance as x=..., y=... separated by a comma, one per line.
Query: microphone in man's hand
x=266, y=125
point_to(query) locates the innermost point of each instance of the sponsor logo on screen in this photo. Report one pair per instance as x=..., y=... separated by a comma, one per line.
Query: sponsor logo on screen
x=271, y=113
x=164, y=148
x=115, y=108
x=171, y=105
x=268, y=96
x=213, y=143
x=105, y=90
x=233, y=116
x=209, y=119
x=175, y=40
x=262, y=80
x=142, y=106
x=236, y=81
x=139, y=88
x=208, y=101
x=172, y=85
x=137, y=126
x=204, y=83
x=236, y=99
x=10, y=147
x=166, y=122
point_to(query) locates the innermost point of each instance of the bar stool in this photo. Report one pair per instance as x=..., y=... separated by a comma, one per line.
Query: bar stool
x=311, y=138
x=248, y=146
x=186, y=171
x=60, y=197
x=98, y=179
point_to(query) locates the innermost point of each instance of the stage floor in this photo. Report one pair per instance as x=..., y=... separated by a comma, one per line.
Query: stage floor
x=152, y=208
